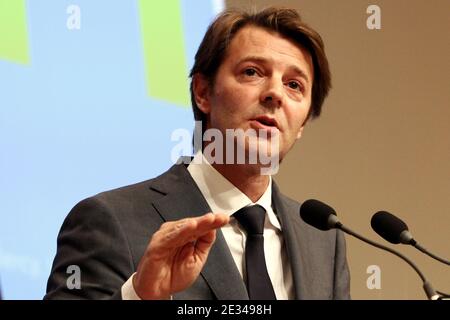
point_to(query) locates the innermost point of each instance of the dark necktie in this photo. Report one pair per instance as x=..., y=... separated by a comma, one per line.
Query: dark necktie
x=259, y=285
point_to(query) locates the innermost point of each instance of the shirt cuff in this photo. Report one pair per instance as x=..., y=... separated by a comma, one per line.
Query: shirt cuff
x=128, y=292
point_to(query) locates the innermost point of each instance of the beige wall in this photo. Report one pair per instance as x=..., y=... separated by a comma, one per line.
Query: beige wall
x=383, y=140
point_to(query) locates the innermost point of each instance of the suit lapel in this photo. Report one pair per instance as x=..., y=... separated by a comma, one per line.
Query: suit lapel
x=295, y=244
x=183, y=199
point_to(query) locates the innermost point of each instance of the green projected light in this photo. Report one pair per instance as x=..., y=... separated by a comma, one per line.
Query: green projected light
x=164, y=51
x=13, y=31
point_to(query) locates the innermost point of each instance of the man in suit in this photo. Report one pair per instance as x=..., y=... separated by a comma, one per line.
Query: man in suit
x=180, y=235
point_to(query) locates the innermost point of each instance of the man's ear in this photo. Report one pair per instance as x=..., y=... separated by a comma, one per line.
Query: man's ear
x=201, y=87
x=300, y=132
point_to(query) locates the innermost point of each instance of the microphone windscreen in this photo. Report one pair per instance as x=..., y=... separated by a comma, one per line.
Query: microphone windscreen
x=316, y=213
x=388, y=226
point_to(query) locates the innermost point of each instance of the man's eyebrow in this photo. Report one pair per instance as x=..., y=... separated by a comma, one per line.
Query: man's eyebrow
x=263, y=60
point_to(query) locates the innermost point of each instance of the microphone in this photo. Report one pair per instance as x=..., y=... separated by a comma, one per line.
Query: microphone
x=394, y=230
x=324, y=217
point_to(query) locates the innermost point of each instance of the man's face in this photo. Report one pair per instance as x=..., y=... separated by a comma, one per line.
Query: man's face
x=264, y=82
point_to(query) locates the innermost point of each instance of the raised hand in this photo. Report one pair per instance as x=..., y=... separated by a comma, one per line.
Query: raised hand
x=175, y=255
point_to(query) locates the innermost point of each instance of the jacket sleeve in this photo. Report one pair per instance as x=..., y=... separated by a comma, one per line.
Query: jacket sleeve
x=93, y=258
x=341, y=270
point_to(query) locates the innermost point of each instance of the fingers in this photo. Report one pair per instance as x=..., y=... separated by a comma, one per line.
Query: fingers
x=176, y=254
x=210, y=222
x=204, y=243
x=193, y=229
x=178, y=233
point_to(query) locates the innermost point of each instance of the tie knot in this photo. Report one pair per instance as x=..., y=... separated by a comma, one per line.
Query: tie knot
x=251, y=219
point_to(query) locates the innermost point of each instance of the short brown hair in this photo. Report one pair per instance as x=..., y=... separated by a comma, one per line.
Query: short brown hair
x=285, y=21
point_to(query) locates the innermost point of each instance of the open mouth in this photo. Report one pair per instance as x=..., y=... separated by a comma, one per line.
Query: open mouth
x=265, y=121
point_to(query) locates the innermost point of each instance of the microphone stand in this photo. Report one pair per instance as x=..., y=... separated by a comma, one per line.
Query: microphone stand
x=428, y=288
x=422, y=249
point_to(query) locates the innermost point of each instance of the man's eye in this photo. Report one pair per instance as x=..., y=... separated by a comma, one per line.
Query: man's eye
x=250, y=72
x=295, y=85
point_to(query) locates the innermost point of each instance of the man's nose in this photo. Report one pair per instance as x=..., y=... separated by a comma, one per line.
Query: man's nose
x=272, y=95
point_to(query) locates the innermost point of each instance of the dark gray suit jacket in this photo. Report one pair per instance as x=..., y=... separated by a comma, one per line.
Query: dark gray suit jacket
x=106, y=236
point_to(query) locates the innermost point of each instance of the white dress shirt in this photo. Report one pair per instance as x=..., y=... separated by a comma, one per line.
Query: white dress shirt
x=223, y=197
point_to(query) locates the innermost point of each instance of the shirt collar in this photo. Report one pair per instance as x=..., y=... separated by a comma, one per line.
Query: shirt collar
x=221, y=195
